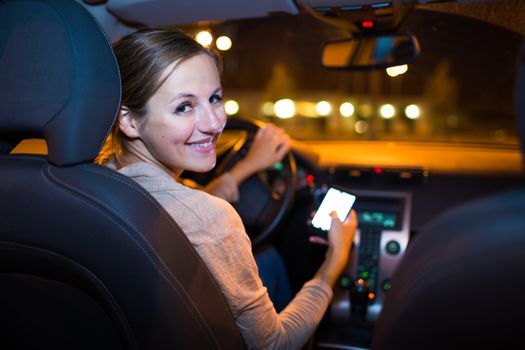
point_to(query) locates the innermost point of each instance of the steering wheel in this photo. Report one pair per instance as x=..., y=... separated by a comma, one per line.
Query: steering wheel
x=265, y=197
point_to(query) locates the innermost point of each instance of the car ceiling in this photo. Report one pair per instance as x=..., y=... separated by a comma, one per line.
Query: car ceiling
x=166, y=12
x=119, y=17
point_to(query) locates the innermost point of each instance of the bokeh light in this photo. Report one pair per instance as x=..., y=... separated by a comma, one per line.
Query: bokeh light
x=267, y=108
x=223, y=43
x=231, y=107
x=361, y=127
x=365, y=110
x=412, y=111
x=323, y=108
x=204, y=38
x=397, y=70
x=284, y=108
x=387, y=111
x=346, y=109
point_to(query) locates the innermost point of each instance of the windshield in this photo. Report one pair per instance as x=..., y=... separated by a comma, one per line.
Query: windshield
x=460, y=89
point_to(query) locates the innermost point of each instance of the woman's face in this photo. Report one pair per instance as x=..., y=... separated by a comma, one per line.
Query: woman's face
x=184, y=117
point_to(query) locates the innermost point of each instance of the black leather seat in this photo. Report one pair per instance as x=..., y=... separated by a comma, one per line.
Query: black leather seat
x=461, y=282
x=88, y=259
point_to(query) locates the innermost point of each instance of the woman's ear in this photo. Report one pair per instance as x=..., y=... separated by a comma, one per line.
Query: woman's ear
x=127, y=123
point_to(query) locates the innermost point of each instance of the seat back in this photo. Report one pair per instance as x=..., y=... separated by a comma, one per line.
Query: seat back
x=88, y=259
x=461, y=282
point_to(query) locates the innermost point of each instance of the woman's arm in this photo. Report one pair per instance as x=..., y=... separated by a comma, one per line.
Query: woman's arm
x=230, y=260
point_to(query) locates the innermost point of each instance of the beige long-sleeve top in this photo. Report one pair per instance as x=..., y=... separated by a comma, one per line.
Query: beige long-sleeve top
x=217, y=233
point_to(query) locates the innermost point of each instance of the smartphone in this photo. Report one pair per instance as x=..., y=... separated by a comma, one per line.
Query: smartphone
x=335, y=200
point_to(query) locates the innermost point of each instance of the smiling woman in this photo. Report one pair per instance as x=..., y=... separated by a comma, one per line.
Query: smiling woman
x=169, y=121
x=181, y=128
x=151, y=97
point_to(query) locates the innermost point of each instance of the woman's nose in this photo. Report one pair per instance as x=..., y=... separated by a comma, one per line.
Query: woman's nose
x=210, y=121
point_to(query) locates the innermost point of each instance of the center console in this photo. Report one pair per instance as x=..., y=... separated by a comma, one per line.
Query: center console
x=379, y=244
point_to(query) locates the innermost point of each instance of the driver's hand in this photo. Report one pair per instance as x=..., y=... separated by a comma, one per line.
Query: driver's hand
x=341, y=234
x=269, y=146
x=340, y=237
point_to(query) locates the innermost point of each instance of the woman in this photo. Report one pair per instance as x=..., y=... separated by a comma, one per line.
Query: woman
x=170, y=119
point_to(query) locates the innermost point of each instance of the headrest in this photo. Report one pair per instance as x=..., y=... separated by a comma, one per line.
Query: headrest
x=520, y=98
x=59, y=79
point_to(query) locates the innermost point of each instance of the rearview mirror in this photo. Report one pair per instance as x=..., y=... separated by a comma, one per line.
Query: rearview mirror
x=370, y=52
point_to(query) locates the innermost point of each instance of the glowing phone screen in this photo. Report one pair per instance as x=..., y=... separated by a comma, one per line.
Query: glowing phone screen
x=334, y=200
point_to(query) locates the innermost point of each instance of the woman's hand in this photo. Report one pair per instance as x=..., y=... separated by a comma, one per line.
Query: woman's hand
x=340, y=237
x=269, y=146
x=341, y=234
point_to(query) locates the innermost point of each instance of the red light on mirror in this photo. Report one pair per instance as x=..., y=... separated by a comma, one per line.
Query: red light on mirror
x=367, y=24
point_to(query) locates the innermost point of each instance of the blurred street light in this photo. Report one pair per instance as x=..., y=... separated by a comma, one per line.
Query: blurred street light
x=387, y=111
x=267, y=108
x=412, y=111
x=346, y=109
x=361, y=127
x=323, y=108
x=204, y=38
x=306, y=109
x=284, y=108
x=365, y=110
x=397, y=70
x=223, y=43
x=231, y=107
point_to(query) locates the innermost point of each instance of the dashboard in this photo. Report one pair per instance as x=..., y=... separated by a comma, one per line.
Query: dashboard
x=393, y=204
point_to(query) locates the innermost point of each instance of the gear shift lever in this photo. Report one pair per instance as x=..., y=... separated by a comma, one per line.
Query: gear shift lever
x=359, y=299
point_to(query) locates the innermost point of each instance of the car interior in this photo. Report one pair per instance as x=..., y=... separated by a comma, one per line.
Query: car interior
x=88, y=259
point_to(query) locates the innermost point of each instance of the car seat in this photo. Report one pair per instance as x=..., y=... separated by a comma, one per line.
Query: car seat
x=88, y=259
x=460, y=284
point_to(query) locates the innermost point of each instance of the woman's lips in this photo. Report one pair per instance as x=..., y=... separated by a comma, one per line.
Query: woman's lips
x=203, y=146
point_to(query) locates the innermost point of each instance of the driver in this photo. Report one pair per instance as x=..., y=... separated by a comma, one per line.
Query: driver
x=170, y=118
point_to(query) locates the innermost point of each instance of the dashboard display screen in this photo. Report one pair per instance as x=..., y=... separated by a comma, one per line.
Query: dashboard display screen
x=377, y=218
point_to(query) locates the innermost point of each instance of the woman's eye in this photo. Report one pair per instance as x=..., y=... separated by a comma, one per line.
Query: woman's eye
x=183, y=108
x=215, y=99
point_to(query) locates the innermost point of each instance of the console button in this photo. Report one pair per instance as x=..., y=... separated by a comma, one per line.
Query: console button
x=392, y=247
x=386, y=285
x=345, y=281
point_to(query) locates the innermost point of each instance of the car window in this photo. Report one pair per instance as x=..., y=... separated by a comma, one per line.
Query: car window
x=460, y=89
